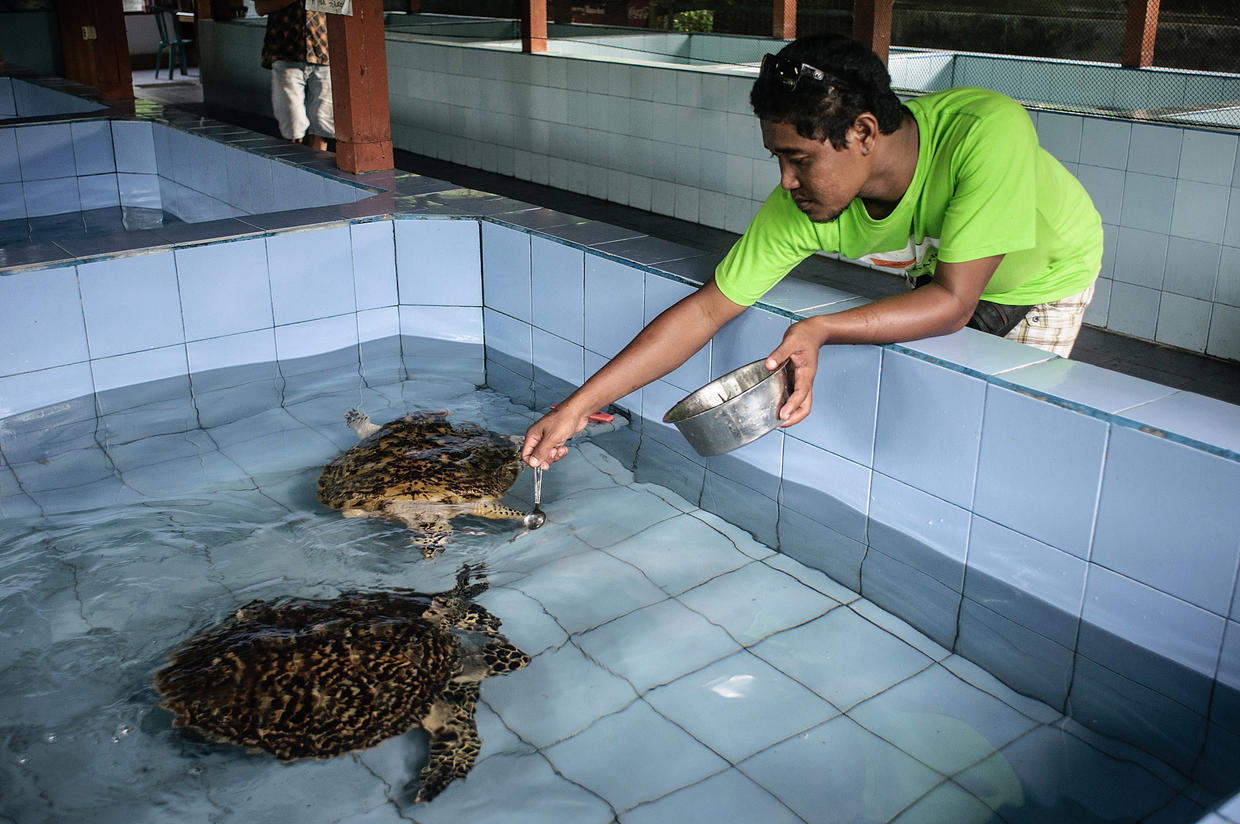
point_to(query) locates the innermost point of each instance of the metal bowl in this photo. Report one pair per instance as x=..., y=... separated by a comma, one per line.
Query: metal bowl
x=733, y=410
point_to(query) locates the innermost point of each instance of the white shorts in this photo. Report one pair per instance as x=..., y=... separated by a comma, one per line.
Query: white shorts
x=301, y=97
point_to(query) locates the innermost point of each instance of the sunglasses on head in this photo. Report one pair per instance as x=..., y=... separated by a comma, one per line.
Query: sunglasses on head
x=789, y=72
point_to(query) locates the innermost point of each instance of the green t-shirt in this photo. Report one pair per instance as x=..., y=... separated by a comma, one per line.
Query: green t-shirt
x=982, y=187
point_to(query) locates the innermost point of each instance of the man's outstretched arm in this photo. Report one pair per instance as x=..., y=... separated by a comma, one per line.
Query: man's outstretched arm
x=667, y=342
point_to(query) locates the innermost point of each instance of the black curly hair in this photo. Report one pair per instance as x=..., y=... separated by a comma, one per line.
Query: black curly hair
x=856, y=82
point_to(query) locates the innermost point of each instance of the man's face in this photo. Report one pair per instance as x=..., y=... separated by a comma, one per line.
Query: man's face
x=822, y=180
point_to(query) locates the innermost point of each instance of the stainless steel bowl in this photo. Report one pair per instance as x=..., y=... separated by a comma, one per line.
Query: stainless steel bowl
x=733, y=410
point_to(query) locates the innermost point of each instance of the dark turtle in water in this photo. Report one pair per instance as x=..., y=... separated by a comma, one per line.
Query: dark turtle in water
x=305, y=678
x=423, y=471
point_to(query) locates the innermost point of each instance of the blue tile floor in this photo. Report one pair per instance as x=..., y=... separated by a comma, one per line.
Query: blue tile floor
x=680, y=670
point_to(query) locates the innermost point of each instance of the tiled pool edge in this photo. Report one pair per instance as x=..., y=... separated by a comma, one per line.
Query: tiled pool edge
x=22, y=97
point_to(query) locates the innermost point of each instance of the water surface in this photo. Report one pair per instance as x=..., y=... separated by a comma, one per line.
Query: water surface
x=681, y=671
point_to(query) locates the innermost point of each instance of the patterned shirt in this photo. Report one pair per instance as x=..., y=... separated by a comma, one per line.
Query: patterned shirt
x=296, y=35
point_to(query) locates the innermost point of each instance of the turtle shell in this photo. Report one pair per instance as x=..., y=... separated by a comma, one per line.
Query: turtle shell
x=422, y=459
x=303, y=678
x=312, y=678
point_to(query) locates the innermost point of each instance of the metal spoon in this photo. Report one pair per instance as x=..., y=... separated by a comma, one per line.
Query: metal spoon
x=537, y=517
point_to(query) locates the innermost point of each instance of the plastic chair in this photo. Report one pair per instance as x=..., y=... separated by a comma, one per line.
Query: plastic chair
x=169, y=40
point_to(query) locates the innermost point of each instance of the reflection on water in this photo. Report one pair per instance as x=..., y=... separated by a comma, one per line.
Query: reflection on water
x=680, y=670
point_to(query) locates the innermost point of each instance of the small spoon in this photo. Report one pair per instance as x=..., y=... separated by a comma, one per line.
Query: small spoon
x=537, y=517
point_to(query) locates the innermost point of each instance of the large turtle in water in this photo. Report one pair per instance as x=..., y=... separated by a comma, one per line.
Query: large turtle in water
x=305, y=678
x=423, y=471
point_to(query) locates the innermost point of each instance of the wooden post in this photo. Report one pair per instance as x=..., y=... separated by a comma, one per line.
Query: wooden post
x=95, y=46
x=360, y=88
x=872, y=25
x=534, y=26
x=785, y=23
x=113, y=71
x=77, y=52
x=1139, y=33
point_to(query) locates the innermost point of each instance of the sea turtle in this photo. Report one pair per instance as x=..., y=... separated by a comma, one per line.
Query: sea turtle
x=423, y=471
x=303, y=678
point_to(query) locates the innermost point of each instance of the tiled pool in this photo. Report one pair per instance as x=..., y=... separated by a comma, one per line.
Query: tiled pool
x=1099, y=580
x=681, y=670
x=91, y=175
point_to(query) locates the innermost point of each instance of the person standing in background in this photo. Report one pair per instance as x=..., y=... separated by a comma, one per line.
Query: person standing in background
x=295, y=49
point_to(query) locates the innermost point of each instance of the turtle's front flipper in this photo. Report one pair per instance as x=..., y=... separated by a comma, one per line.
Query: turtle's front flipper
x=454, y=738
x=497, y=511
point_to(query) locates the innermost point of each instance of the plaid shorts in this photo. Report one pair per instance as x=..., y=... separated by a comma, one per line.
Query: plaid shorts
x=1053, y=326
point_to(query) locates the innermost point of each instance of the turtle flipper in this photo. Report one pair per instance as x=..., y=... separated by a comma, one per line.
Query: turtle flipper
x=454, y=741
x=360, y=423
x=497, y=511
x=452, y=611
x=501, y=657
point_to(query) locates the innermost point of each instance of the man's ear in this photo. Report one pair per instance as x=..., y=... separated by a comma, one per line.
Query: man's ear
x=864, y=132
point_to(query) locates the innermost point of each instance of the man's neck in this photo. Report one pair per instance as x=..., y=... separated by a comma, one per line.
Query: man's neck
x=894, y=166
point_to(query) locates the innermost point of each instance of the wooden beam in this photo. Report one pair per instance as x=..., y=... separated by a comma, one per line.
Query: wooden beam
x=872, y=25
x=534, y=26
x=113, y=71
x=77, y=52
x=785, y=23
x=360, y=88
x=95, y=46
x=1139, y=33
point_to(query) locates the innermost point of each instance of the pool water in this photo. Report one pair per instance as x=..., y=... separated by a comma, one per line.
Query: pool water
x=681, y=671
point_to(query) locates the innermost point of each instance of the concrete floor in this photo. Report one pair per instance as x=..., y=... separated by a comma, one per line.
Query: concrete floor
x=180, y=89
x=1166, y=365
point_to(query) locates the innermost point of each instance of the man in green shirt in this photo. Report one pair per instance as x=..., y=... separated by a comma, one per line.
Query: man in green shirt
x=952, y=189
